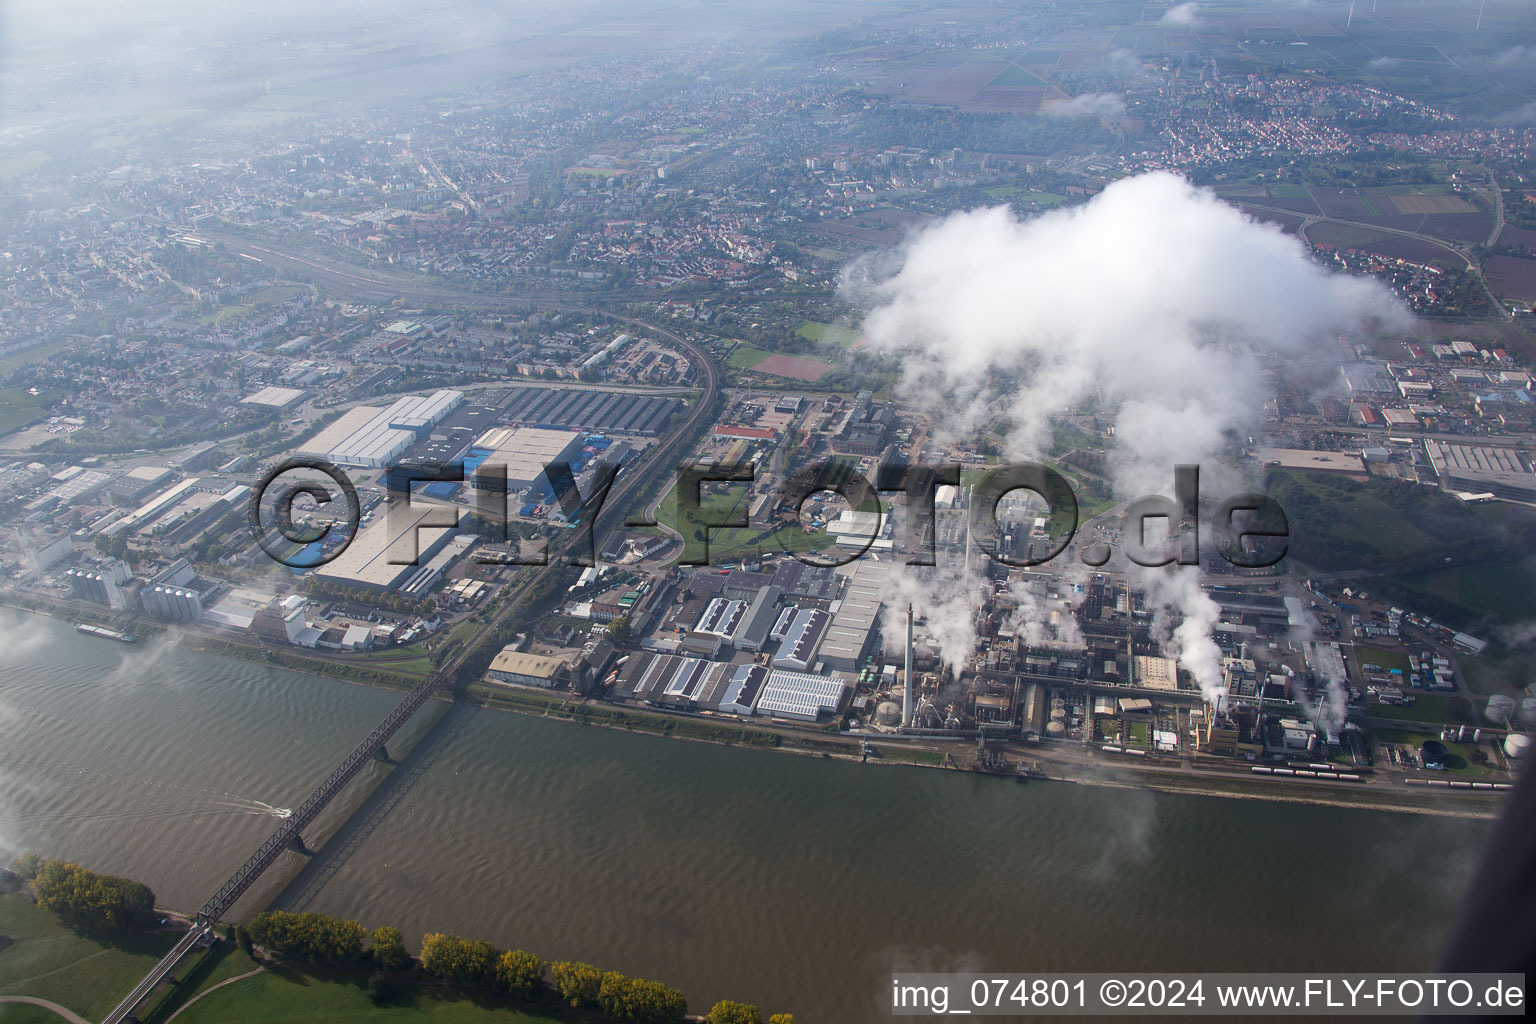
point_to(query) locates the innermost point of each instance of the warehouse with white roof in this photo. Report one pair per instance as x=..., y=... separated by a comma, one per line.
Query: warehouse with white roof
x=369, y=437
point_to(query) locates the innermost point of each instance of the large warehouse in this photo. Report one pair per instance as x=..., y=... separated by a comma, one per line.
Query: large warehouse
x=1501, y=472
x=389, y=551
x=853, y=623
x=370, y=437
x=525, y=451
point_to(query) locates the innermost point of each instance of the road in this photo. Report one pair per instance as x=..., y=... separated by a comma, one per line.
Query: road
x=1458, y=251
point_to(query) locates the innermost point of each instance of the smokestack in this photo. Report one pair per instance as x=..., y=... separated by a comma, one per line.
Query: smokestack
x=911, y=684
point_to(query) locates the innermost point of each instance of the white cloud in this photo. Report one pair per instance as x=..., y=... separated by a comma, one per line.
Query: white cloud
x=1185, y=15
x=1155, y=301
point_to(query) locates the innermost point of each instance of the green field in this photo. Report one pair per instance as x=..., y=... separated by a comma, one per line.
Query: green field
x=1289, y=192
x=744, y=356
x=1390, y=525
x=290, y=995
x=18, y=408
x=829, y=334
x=1427, y=707
x=1458, y=760
x=1385, y=659
x=1328, y=232
x=1504, y=590
x=52, y=962
x=724, y=502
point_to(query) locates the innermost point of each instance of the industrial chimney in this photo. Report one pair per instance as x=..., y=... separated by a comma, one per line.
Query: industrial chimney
x=911, y=683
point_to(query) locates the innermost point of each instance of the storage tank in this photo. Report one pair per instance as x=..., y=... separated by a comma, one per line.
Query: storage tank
x=1055, y=727
x=1515, y=745
x=1501, y=709
x=888, y=713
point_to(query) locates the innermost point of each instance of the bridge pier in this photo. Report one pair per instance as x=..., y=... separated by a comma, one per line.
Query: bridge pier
x=296, y=844
x=382, y=755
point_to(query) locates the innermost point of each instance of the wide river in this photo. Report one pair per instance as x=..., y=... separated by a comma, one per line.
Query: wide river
x=792, y=882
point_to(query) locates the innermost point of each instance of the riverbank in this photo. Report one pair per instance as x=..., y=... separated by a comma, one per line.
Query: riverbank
x=1066, y=767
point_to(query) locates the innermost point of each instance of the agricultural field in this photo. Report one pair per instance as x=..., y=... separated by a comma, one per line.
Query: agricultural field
x=1512, y=277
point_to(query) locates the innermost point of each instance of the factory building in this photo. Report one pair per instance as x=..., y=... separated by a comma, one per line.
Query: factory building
x=743, y=689
x=516, y=668
x=524, y=452
x=139, y=481
x=760, y=616
x=1502, y=472
x=721, y=618
x=802, y=639
x=275, y=398
x=368, y=437
x=1154, y=673
x=855, y=617
x=389, y=551
x=800, y=696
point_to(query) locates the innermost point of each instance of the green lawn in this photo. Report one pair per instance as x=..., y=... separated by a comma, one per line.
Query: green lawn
x=20, y=1013
x=1458, y=759
x=288, y=995
x=829, y=334
x=1504, y=589
x=1386, y=660
x=744, y=356
x=52, y=962
x=18, y=408
x=1427, y=707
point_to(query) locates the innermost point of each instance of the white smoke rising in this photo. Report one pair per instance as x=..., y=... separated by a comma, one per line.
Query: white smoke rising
x=1032, y=619
x=1154, y=301
x=1089, y=104
x=1183, y=616
x=944, y=598
x=1329, y=713
x=1151, y=296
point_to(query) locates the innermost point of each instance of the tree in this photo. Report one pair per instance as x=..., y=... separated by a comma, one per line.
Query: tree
x=728, y=1012
x=85, y=899
x=577, y=983
x=27, y=866
x=782, y=1018
x=243, y=939
x=520, y=973
x=466, y=961
x=308, y=936
x=388, y=949
x=619, y=631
